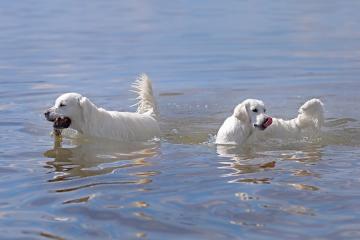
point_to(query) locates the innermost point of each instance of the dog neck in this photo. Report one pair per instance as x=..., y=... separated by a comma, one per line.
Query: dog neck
x=246, y=131
x=250, y=131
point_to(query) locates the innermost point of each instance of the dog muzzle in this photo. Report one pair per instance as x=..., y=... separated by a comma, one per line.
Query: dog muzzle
x=265, y=124
x=60, y=122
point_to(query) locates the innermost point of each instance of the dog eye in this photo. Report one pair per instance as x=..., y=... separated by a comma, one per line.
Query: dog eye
x=255, y=110
x=62, y=105
x=264, y=110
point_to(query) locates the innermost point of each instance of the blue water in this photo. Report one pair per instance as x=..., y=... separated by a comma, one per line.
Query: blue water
x=204, y=57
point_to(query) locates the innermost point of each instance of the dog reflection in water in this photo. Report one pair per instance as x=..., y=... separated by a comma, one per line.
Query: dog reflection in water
x=246, y=163
x=95, y=156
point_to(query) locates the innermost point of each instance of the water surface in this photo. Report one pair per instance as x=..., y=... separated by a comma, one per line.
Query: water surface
x=203, y=58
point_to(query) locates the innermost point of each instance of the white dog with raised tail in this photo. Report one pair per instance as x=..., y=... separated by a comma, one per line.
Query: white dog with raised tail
x=72, y=110
x=249, y=116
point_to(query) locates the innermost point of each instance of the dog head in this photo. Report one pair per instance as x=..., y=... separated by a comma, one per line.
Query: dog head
x=252, y=112
x=67, y=111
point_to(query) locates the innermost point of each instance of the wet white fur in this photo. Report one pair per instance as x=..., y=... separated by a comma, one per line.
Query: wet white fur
x=308, y=122
x=90, y=120
x=240, y=126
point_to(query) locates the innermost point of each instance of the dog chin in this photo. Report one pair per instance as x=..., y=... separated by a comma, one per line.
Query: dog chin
x=260, y=127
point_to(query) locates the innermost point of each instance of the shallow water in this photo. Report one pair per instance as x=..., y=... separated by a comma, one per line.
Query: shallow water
x=203, y=60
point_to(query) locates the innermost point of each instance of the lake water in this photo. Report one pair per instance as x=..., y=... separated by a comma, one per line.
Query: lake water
x=204, y=57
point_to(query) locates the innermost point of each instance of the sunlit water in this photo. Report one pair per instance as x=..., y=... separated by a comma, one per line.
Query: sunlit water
x=203, y=58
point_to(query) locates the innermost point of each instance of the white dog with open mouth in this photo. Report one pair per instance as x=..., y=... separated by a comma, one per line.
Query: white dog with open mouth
x=72, y=110
x=250, y=116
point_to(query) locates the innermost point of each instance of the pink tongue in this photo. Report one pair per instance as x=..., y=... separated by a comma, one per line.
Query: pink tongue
x=268, y=122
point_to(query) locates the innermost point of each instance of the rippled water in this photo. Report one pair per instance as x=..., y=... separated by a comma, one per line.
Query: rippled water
x=203, y=58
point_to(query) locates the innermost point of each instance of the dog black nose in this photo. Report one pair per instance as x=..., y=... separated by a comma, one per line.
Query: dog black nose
x=47, y=113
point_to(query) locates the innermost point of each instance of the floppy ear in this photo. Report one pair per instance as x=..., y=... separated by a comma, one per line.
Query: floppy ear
x=241, y=112
x=86, y=108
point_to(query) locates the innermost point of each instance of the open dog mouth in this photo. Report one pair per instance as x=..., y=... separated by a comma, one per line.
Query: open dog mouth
x=62, y=122
x=265, y=124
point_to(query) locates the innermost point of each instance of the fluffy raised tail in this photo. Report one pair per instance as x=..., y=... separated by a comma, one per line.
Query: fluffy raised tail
x=146, y=100
x=311, y=114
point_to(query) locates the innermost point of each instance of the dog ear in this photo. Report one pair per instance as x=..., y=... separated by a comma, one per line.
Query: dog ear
x=86, y=108
x=241, y=112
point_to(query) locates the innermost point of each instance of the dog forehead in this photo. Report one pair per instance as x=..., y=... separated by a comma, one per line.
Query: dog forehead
x=256, y=103
x=68, y=98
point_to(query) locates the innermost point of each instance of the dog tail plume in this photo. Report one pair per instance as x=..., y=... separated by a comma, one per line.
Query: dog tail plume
x=311, y=113
x=146, y=100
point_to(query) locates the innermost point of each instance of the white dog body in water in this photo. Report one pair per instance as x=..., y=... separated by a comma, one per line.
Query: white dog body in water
x=247, y=116
x=250, y=116
x=309, y=121
x=90, y=120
